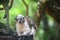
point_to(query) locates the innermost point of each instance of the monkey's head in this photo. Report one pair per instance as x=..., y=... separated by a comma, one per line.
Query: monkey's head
x=20, y=18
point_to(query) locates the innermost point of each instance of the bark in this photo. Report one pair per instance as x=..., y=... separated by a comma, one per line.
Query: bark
x=6, y=1
x=6, y=7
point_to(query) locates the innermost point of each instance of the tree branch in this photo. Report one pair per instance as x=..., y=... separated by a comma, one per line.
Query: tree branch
x=26, y=5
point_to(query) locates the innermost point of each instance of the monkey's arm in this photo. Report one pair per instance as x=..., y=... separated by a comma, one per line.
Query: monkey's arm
x=27, y=32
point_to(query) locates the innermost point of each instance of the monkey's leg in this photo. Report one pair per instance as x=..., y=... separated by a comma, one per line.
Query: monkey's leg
x=6, y=7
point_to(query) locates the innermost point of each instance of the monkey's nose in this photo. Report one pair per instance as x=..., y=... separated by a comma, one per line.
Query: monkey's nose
x=19, y=21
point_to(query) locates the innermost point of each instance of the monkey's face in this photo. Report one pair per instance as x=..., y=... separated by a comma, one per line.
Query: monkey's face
x=20, y=19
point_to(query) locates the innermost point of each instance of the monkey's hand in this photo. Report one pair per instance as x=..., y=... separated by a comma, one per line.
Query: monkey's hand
x=26, y=32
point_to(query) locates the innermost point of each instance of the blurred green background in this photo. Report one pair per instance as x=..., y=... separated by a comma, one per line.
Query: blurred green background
x=19, y=8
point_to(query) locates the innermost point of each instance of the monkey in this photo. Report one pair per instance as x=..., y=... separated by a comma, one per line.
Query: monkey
x=25, y=26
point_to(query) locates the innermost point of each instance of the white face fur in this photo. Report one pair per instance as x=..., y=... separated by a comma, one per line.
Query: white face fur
x=20, y=19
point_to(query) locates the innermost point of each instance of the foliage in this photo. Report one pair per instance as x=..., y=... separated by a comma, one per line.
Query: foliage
x=19, y=8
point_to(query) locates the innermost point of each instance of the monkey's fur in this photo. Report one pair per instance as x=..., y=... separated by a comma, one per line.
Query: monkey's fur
x=25, y=26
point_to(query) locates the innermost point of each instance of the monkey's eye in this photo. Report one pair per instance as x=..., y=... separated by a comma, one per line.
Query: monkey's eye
x=23, y=17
